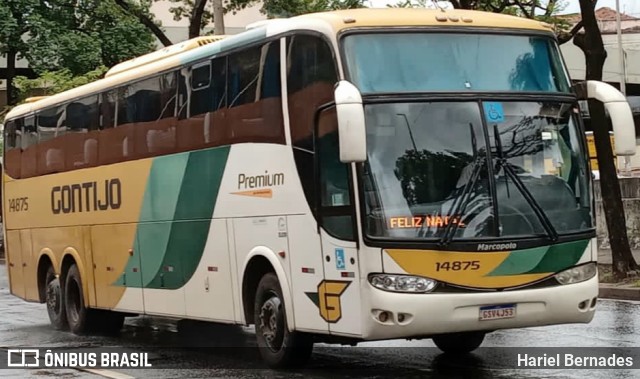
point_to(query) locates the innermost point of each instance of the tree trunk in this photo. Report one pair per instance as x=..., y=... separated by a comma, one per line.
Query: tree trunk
x=195, y=21
x=595, y=54
x=146, y=21
x=12, y=96
x=218, y=18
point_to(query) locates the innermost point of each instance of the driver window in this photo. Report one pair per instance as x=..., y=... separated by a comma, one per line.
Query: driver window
x=335, y=200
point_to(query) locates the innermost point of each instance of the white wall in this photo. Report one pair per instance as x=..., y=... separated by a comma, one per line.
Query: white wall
x=631, y=45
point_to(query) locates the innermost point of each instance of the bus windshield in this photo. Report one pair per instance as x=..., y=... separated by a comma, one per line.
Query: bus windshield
x=446, y=167
x=418, y=62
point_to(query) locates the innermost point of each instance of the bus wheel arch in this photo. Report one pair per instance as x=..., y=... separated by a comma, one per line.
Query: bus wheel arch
x=257, y=264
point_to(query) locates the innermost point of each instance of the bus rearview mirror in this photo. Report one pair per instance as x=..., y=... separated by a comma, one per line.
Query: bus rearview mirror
x=351, y=126
x=616, y=104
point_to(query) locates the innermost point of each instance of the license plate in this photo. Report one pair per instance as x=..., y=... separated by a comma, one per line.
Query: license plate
x=496, y=312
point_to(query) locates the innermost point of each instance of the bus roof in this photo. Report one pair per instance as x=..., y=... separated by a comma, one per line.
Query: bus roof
x=333, y=22
x=368, y=17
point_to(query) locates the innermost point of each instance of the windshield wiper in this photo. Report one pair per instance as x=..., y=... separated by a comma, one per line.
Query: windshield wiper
x=465, y=196
x=502, y=162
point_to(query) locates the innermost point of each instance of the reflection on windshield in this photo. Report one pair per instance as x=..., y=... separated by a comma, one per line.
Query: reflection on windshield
x=421, y=158
x=420, y=62
x=427, y=174
x=540, y=144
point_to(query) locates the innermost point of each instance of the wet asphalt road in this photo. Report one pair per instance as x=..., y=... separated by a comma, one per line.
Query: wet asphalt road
x=617, y=324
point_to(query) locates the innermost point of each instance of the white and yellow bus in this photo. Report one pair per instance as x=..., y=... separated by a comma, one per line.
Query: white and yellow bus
x=341, y=177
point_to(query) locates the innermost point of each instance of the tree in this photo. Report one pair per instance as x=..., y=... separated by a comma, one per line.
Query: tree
x=70, y=37
x=13, y=26
x=52, y=82
x=198, y=15
x=82, y=35
x=590, y=42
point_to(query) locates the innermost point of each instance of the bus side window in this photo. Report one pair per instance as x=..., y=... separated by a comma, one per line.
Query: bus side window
x=115, y=144
x=29, y=147
x=200, y=89
x=254, y=96
x=81, y=141
x=311, y=76
x=12, y=152
x=107, y=110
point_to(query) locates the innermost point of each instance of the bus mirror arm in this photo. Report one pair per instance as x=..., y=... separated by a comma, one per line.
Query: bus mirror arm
x=351, y=126
x=619, y=111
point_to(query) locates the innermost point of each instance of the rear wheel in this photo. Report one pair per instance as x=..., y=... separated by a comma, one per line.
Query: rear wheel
x=459, y=343
x=278, y=347
x=55, y=300
x=82, y=320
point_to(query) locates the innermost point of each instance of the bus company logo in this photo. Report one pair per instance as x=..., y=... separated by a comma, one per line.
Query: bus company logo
x=327, y=299
x=86, y=197
x=23, y=358
x=258, y=185
x=497, y=246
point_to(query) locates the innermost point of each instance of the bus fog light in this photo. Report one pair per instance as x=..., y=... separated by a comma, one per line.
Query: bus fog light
x=402, y=283
x=577, y=274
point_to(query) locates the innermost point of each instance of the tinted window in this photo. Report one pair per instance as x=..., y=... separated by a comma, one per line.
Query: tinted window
x=310, y=80
x=82, y=114
x=124, y=111
x=335, y=200
x=11, y=154
x=208, y=87
x=29, y=132
x=244, y=68
x=254, y=95
x=10, y=135
x=107, y=110
x=168, y=87
x=142, y=102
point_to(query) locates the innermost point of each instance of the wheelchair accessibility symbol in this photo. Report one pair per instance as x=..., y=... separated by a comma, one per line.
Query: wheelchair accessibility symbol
x=493, y=112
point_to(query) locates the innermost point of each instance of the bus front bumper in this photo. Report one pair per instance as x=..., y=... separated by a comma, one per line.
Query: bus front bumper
x=424, y=315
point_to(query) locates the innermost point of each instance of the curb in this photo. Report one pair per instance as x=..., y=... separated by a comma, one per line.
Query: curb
x=619, y=293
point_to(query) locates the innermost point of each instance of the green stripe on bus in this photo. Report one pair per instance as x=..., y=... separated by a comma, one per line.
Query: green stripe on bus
x=171, y=245
x=158, y=207
x=190, y=229
x=520, y=261
x=540, y=260
x=560, y=257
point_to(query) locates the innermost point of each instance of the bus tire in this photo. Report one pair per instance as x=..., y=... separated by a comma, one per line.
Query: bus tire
x=459, y=343
x=278, y=347
x=81, y=319
x=55, y=301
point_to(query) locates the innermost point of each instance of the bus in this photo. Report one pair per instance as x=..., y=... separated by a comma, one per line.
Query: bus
x=336, y=177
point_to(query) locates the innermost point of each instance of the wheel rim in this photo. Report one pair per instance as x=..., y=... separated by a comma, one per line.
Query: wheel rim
x=53, y=296
x=271, y=322
x=73, y=301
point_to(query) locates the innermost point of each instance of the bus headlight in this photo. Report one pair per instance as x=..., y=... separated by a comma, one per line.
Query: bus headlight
x=402, y=283
x=577, y=274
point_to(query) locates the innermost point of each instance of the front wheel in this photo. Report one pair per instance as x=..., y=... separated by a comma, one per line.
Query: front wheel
x=278, y=347
x=459, y=343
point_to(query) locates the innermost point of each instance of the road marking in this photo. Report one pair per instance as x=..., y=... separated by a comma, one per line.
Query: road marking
x=106, y=373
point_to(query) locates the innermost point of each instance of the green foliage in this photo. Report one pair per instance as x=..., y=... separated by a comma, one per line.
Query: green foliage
x=52, y=82
x=69, y=38
x=79, y=36
x=13, y=17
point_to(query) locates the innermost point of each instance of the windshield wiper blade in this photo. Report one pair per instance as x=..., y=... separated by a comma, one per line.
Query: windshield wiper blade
x=502, y=162
x=465, y=196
